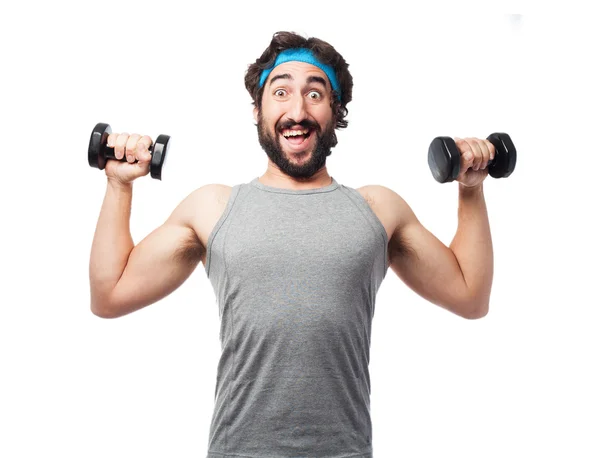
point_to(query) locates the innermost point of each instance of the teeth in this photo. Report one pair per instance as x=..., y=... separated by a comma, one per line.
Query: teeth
x=293, y=133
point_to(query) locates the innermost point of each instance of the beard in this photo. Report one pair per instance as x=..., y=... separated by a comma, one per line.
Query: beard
x=272, y=146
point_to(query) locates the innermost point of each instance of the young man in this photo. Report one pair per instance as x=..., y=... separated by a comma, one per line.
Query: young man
x=295, y=260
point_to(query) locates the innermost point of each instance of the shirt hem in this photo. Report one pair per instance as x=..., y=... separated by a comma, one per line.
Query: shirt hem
x=237, y=455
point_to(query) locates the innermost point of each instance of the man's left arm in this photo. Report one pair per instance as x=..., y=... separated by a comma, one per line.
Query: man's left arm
x=472, y=246
x=457, y=277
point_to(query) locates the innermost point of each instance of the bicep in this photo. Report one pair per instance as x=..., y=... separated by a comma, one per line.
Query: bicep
x=427, y=266
x=161, y=262
x=156, y=267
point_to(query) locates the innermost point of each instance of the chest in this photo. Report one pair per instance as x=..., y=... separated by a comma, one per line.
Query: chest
x=285, y=239
x=211, y=216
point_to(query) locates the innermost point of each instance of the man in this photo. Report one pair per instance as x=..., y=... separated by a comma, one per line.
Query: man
x=295, y=260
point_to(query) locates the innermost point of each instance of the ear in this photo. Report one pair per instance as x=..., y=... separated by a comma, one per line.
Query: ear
x=255, y=113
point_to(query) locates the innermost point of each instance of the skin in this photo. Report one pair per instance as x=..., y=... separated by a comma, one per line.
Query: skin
x=294, y=92
x=457, y=277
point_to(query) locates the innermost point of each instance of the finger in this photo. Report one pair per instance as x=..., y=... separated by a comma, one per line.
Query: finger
x=477, y=153
x=130, y=148
x=110, y=141
x=143, y=145
x=485, y=153
x=466, y=155
x=120, y=145
x=491, y=148
x=144, y=167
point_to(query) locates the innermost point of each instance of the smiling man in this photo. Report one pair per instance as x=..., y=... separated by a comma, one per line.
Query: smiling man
x=295, y=259
x=294, y=115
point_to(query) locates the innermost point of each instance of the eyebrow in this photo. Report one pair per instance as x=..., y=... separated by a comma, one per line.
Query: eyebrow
x=310, y=79
x=316, y=79
x=283, y=76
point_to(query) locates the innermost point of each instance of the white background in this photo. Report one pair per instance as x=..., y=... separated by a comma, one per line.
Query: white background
x=521, y=382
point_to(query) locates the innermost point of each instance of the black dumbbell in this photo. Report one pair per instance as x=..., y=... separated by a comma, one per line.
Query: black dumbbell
x=99, y=152
x=444, y=158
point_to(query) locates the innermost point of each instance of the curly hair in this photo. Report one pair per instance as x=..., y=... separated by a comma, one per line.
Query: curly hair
x=322, y=51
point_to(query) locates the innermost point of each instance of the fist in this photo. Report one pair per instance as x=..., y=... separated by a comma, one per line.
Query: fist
x=475, y=154
x=135, y=148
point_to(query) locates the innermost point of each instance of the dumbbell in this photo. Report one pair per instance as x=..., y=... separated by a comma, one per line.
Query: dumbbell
x=444, y=158
x=99, y=152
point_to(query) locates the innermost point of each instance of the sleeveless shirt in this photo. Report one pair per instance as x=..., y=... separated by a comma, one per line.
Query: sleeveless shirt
x=295, y=275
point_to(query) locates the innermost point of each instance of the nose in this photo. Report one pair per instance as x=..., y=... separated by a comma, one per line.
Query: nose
x=297, y=110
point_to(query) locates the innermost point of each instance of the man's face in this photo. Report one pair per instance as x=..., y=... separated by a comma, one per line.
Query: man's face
x=295, y=124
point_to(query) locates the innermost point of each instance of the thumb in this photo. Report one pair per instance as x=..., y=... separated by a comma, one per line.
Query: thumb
x=143, y=167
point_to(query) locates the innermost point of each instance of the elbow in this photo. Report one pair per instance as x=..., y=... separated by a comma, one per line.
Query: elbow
x=102, y=313
x=476, y=311
x=106, y=305
x=100, y=303
x=469, y=309
x=114, y=307
x=473, y=305
x=102, y=310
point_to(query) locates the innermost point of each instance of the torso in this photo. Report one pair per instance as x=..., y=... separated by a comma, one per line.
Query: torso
x=205, y=223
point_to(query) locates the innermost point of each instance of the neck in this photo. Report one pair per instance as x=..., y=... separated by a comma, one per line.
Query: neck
x=276, y=178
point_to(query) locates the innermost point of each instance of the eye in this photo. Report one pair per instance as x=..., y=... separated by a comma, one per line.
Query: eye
x=314, y=95
x=279, y=93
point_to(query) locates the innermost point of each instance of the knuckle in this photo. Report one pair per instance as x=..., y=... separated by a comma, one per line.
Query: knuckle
x=121, y=140
x=130, y=146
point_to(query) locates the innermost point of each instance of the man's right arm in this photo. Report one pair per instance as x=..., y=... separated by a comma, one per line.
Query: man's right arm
x=125, y=277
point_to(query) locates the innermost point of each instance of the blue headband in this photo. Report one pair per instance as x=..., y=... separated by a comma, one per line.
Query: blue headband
x=302, y=55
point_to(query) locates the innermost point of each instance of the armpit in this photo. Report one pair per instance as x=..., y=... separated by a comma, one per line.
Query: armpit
x=190, y=251
x=399, y=247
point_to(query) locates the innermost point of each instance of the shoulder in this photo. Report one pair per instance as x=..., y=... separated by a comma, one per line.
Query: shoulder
x=205, y=200
x=382, y=197
x=199, y=211
x=388, y=205
x=212, y=192
x=208, y=195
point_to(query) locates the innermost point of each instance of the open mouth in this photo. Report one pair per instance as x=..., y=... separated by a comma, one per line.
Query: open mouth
x=297, y=138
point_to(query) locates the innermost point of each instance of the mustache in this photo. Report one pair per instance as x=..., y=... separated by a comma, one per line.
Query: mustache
x=305, y=123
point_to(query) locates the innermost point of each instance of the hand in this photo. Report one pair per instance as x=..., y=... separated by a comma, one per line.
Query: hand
x=475, y=154
x=135, y=148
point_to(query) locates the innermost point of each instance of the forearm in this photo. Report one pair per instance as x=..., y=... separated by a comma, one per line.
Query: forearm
x=472, y=246
x=112, y=242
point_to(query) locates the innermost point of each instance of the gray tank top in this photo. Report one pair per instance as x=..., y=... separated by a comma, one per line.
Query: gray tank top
x=295, y=275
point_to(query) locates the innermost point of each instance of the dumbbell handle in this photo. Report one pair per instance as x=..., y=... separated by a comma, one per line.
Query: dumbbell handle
x=492, y=161
x=109, y=152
